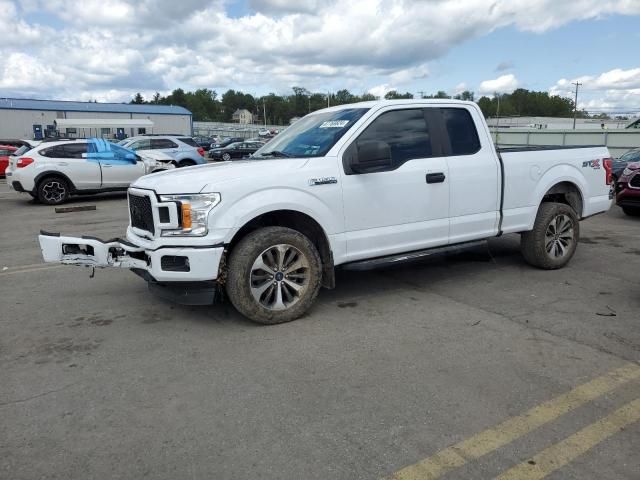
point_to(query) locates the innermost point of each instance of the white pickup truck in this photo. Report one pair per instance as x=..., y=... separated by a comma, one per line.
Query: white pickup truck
x=352, y=186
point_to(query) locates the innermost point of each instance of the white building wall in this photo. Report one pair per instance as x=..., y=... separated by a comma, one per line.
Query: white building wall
x=19, y=123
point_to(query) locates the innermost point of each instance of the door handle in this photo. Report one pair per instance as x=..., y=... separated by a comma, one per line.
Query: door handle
x=106, y=165
x=435, y=177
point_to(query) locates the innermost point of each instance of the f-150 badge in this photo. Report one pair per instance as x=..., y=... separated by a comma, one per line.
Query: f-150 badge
x=322, y=181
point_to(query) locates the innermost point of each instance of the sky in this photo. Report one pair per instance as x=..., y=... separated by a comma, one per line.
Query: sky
x=107, y=50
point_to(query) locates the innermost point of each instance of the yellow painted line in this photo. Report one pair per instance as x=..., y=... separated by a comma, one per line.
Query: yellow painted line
x=560, y=454
x=493, y=438
x=29, y=270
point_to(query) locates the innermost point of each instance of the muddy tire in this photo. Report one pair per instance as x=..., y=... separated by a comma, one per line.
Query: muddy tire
x=554, y=238
x=274, y=275
x=53, y=190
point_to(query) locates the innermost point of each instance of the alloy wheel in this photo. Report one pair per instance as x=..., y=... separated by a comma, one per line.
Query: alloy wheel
x=54, y=191
x=559, y=236
x=279, y=277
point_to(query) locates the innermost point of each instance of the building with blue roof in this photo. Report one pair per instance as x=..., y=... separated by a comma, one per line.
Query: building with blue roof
x=36, y=119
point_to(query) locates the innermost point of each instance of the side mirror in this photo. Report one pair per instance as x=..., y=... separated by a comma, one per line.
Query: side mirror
x=371, y=156
x=132, y=156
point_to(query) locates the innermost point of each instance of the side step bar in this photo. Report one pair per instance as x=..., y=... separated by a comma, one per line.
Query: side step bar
x=401, y=258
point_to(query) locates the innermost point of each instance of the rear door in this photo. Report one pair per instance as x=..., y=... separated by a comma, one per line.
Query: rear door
x=169, y=147
x=474, y=175
x=67, y=158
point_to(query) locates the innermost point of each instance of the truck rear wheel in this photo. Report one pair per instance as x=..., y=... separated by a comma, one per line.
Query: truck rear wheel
x=554, y=238
x=274, y=275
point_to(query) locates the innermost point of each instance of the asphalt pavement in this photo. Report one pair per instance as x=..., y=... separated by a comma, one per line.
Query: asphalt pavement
x=472, y=365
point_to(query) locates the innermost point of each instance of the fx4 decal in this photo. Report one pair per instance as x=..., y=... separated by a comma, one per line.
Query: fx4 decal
x=595, y=164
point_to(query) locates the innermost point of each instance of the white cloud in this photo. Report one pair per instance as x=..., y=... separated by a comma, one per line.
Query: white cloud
x=108, y=46
x=503, y=84
x=616, y=89
x=380, y=90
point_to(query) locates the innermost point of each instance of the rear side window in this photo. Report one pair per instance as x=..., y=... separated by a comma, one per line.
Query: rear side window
x=53, y=152
x=143, y=144
x=74, y=150
x=162, y=143
x=189, y=141
x=406, y=132
x=461, y=128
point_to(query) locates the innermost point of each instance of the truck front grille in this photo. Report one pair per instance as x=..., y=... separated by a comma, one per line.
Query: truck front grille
x=635, y=181
x=141, y=213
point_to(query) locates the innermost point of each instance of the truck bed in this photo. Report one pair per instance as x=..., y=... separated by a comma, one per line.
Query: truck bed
x=505, y=148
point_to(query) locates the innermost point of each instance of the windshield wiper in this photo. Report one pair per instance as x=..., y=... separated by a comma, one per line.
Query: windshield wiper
x=275, y=153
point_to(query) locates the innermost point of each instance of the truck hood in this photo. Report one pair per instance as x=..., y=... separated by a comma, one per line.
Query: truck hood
x=203, y=178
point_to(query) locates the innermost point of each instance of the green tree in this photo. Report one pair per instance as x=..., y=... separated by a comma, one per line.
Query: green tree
x=137, y=99
x=395, y=95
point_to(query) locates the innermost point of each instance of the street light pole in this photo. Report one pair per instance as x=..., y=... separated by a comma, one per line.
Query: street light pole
x=575, y=103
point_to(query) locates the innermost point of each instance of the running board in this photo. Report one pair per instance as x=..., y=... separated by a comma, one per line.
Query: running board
x=401, y=258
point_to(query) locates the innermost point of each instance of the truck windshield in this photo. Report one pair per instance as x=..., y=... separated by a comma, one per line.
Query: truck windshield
x=311, y=136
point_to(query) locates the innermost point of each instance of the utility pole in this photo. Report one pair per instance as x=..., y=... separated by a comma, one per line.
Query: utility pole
x=575, y=104
x=264, y=110
x=328, y=97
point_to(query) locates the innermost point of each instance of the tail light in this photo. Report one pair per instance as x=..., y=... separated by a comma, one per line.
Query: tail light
x=23, y=162
x=201, y=151
x=607, y=164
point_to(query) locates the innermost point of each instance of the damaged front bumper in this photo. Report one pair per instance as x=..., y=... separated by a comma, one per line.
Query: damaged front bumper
x=163, y=264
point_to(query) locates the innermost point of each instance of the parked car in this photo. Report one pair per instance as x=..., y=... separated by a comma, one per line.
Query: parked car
x=19, y=142
x=356, y=186
x=184, y=150
x=619, y=164
x=5, y=152
x=235, y=151
x=628, y=190
x=204, y=142
x=226, y=142
x=54, y=170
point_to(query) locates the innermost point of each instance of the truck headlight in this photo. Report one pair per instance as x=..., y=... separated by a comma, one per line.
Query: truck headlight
x=627, y=171
x=194, y=210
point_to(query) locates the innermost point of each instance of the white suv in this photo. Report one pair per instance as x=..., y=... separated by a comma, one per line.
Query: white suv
x=54, y=170
x=184, y=150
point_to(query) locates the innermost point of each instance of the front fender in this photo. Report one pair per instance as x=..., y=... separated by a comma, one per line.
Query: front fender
x=237, y=214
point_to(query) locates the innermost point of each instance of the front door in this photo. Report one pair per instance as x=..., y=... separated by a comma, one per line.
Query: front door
x=118, y=175
x=406, y=207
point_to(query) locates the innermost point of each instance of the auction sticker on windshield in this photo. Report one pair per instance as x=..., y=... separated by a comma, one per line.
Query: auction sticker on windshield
x=335, y=124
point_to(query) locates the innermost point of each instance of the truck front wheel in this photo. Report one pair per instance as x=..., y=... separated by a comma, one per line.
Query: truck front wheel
x=274, y=275
x=554, y=237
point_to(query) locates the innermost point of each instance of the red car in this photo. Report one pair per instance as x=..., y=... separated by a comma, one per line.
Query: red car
x=628, y=190
x=5, y=151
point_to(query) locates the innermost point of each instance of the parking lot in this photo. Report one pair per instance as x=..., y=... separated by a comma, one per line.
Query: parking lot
x=471, y=365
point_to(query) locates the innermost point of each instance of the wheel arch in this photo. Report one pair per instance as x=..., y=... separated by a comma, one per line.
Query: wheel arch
x=566, y=192
x=300, y=222
x=52, y=173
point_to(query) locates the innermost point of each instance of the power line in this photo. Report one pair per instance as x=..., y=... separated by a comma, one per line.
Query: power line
x=575, y=104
